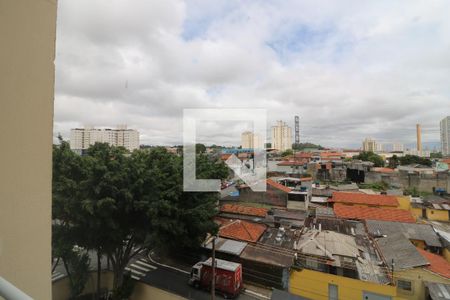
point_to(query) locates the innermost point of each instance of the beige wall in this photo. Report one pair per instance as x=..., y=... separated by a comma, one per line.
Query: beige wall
x=417, y=277
x=61, y=288
x=143, y=291
x=27, y=30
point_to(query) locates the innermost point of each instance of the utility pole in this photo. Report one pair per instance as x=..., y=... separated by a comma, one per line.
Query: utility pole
x=392, y=264
x=213, y=266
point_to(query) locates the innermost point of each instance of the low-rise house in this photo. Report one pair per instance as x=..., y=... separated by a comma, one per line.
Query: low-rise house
x=416, y=207
x=349, y=153
x=443, y=230
x=412, y=267
x=288, y=218
x=331, y=156
x=348, y=187
x=322, y=211
x=322, y=191
x=437, y=208
x=240, y=230
x=433, y=208
x=422, y=236
x=226, y=249
x=275, y=195
x=287, y=192
x=301, y=192
x=268, y=261
x=244, y=210
x=437, y=291
x=266, y=265
x=365, y=200
x=382, y=170
x=340, y=264
x=294, y=167
x=372, y=213
x=307, y=156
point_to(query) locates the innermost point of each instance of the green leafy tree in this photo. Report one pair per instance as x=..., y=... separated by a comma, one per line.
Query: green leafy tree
x=303, y=146
x=436, y=155
x=287, y=152
x=78, y=264
x=76, y=261
x=117, y=203
x=376, y=186
x=200, y=148
x=414, y=159
x=393, y=162
x=377, y=160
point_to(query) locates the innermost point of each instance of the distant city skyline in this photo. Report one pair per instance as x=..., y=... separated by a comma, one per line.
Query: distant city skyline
x=375, y=70
x=435, y=145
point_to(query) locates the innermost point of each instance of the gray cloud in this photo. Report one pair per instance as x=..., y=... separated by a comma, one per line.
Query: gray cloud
x=350, y=69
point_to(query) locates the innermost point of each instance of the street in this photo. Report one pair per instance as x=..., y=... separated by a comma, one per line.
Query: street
x=170, y=280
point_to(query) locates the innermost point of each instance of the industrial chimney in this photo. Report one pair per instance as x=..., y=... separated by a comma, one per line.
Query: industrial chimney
x=419, y=139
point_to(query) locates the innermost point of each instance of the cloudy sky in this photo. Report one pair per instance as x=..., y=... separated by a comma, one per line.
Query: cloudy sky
x=349, y=69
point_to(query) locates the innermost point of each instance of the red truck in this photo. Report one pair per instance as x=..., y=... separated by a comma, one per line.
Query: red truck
x=228, y=277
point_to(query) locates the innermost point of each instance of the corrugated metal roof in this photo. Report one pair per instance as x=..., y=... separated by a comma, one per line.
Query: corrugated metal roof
x=327, y=243
x=367, y=199
x=324, y=212
x=438, y=291
x=267, y=256
x=398, y=248
x=228, y=246
x=319, y=199
x=412, y=231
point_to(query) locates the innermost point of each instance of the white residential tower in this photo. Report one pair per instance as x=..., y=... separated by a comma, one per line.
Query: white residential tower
x=281, y=136
x=82, y=138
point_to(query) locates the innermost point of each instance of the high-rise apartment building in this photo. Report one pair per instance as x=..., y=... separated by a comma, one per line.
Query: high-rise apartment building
x=82, y=138
x=370, y=145
x=281, y=136
x=397, y=147
x=249, y=140
x=445, y=136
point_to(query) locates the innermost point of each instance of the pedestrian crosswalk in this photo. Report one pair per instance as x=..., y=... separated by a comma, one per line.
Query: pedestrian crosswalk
x=57, y=275
x=139, y=268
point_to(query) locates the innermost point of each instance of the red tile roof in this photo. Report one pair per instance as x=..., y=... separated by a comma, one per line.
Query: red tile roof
x=438, y=264
x=292, y=163
x=372, y=213
x=305, y=178
x=244, y=210
x=225, y=156
x=278, y=186
x=383, y=170
x=303, y=154
x=240, y=230
x=360, y=198
x=331, y=154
